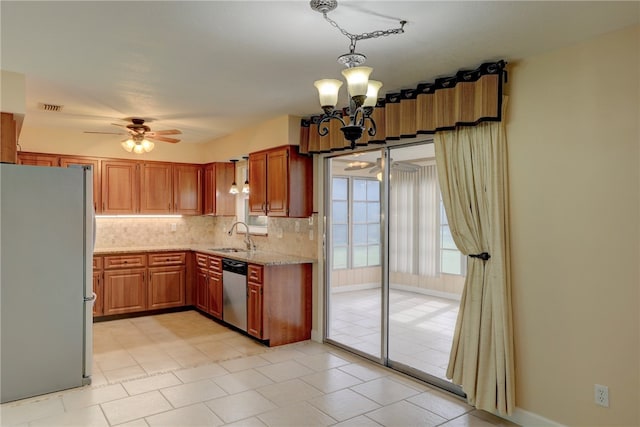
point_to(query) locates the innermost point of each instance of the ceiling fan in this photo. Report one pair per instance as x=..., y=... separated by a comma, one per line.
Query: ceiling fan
x=377, y=166
x=141, y=134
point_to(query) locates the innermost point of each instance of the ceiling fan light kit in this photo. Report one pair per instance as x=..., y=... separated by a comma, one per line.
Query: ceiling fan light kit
x=137, y=144
x=363, y=92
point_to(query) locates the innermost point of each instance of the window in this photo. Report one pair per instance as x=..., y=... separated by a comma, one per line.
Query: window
x=257, y=224
x=355, y=222
x=451, y=259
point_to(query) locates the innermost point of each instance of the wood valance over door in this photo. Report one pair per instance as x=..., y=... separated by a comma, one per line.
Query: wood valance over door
x=466, y=99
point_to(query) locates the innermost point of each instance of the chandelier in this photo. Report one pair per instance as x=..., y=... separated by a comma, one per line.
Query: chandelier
x=363, y=93
x=138, y=144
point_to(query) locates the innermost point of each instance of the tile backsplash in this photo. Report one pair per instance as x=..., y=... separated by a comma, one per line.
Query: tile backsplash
x=291, y=236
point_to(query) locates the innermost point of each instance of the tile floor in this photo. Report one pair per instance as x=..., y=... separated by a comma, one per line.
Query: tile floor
x=182, y=369
x=420, y=326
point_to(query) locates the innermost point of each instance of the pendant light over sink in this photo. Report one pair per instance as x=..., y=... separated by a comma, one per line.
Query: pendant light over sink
x=234, y=186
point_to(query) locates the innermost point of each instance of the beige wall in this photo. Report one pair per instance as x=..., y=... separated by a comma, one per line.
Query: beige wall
x=573, y=139
x=64, y=141
x=281, y=130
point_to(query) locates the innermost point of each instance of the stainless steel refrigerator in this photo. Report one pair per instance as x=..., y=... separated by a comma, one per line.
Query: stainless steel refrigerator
x=46, y=286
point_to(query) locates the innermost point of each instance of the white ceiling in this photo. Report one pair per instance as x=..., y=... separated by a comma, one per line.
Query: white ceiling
x=212, y=67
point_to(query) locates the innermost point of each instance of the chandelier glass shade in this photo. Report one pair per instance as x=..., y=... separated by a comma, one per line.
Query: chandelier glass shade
x=363, y=95
x=137, y=144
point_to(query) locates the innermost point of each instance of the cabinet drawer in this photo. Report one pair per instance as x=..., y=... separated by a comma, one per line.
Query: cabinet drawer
x=215, y=264
x=167, y=258
x=125, y=261
x=97, y=263
x=255, y=273
x=202, y=260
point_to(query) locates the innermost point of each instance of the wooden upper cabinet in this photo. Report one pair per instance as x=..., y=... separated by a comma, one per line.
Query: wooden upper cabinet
x=218, y=178
x=119, y=187
x=277, y=183
x=187, y=189
x=258, y=183
x=38, y=159
x=8, y=138
x=225, y=201
x=156, y=192
x=66, y=161
x=281, y=183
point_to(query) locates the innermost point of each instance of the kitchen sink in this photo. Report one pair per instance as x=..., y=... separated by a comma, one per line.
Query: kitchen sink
x=228, y=250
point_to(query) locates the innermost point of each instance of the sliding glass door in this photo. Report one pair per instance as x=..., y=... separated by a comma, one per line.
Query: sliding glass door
x=394, y=277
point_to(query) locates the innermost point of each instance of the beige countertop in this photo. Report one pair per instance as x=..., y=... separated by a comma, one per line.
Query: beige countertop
x=255, y=257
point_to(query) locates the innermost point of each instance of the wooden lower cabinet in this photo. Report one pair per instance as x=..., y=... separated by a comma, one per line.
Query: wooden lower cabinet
x=202, y=289
x=209, y=284
x=279, y=303
x=166, y=287
x=137, y=282
x=98, y=288
x=125, y=291
x=254, y=310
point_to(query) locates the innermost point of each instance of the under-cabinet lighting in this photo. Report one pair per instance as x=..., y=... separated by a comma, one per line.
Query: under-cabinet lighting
x=138, y=216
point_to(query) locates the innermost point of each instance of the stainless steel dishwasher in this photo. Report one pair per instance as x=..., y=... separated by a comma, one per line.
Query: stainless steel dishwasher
x=234, y=293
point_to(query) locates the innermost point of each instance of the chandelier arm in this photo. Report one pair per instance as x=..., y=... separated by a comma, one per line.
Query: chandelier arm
x=326, y=118
x=372, y=127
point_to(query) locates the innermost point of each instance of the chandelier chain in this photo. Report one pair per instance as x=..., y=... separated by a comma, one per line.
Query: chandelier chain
x=364, y=36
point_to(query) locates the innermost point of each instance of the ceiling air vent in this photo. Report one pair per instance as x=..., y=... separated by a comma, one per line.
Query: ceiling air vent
x=49, y=107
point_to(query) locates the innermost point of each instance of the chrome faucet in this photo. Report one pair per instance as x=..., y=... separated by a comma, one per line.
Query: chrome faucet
x=247, y=240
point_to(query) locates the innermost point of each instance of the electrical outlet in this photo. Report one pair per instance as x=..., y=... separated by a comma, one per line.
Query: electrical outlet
x=311, y=219
x=602, y=395
x=173, y=226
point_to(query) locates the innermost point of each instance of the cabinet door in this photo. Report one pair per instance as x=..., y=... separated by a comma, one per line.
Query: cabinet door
x=225, y=202
x=215, y=294
x=202, y=291
x=97, y=289
x=119, y=187
x=8, y=138
x=277, y=182
x=166, y=287
x=125, y=291
x=156, y=193
x=187, y=189
x=37, y=159
x=209, y=189
x=66, y=161
x=257, y=181
x=254, y=310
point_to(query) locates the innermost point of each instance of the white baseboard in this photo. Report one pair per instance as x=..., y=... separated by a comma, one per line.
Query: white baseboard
x=352, y=288
x=529, y=419
x=316, y=336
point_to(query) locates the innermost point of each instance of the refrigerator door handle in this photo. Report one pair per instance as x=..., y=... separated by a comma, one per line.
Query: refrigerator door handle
x=92, y=298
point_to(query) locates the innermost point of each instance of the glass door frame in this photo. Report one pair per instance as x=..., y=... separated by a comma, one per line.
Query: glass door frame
x=384, y=359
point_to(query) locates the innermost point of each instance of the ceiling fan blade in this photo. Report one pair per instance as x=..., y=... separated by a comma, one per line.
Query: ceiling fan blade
x=405, y=166
x=375, y=169
x=104, y=133
x=162, y=138
x=118, y=124
x=165, y=132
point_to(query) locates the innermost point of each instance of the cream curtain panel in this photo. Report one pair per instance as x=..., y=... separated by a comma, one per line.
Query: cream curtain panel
x=473, y=180
x=466, y=99
x=414, y=221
